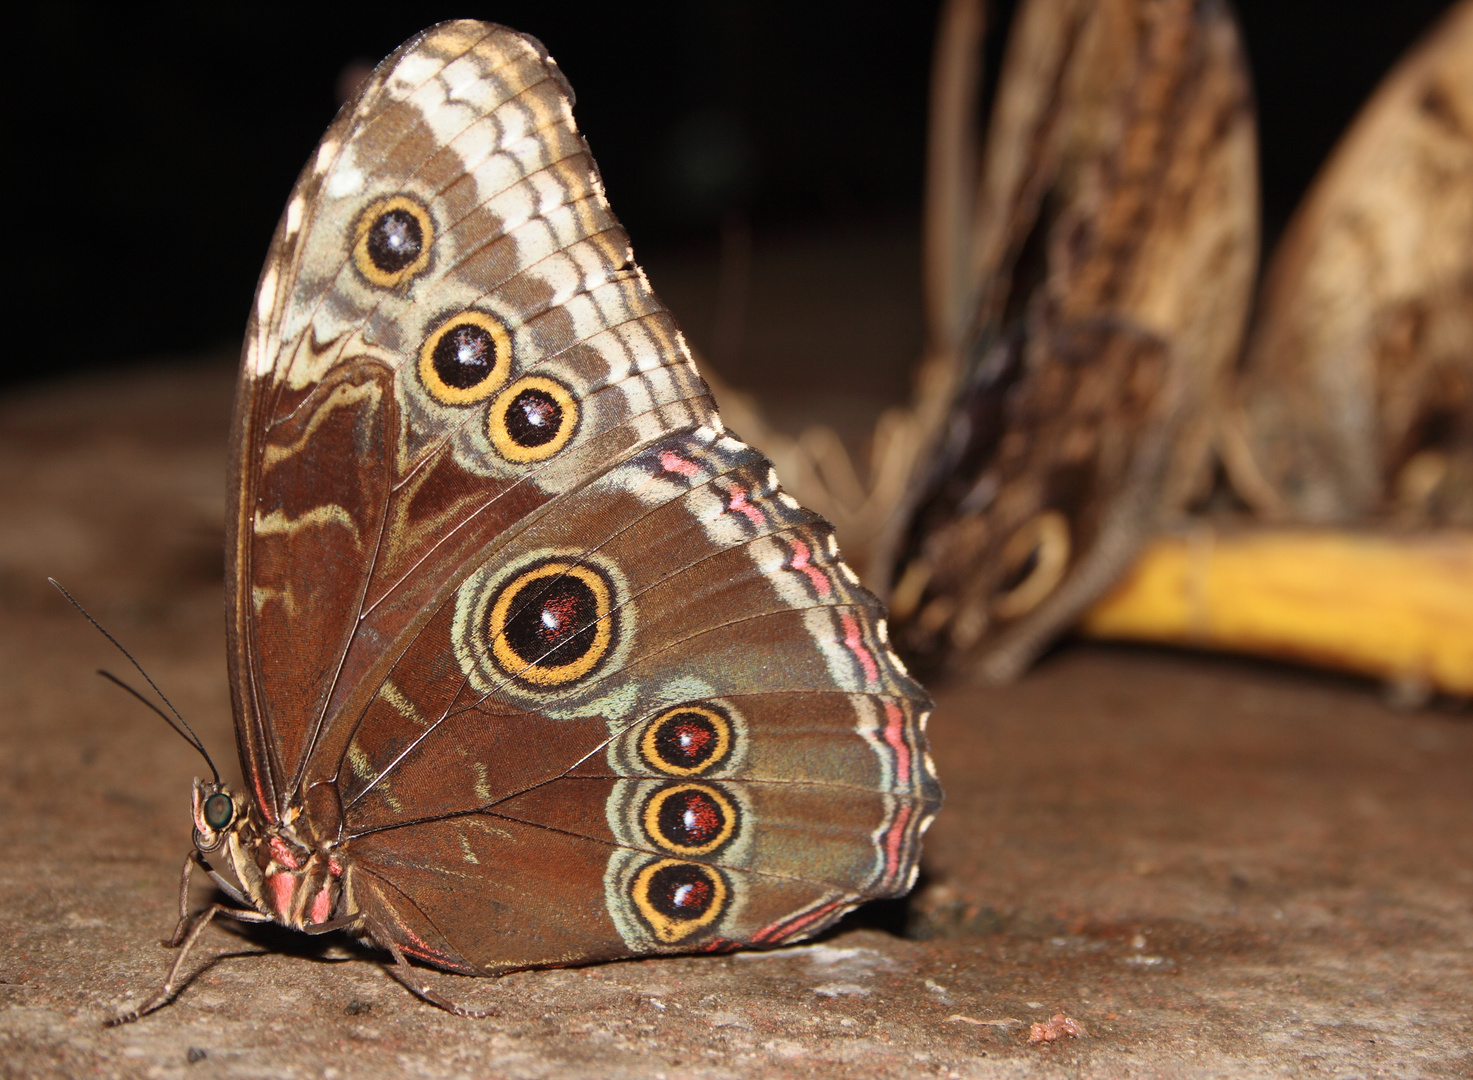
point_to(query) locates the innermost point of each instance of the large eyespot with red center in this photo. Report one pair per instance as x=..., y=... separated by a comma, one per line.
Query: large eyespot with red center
x=690, y=819
x=687, y=740
x=466, y=359
x=391, y=243
x=677, y=900
x=553, y=623
x=532, y=419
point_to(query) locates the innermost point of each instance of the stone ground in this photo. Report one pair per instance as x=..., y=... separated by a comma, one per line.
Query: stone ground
x=1215, y=868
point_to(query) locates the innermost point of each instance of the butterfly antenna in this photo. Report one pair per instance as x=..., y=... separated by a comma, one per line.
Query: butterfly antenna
x=181, y=726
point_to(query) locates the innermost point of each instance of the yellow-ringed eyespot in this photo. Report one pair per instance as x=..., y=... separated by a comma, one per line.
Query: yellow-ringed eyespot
x=677, y=899
x=689, y=819
x=1034, y=559
x=532, y=419
x=686, y=740
x=553, y=624
x=391, y=243
x=465, y=359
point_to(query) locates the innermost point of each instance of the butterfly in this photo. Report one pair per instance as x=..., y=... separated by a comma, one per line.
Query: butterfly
x=532, y=662
x=1089, y=280
x=1354, y=398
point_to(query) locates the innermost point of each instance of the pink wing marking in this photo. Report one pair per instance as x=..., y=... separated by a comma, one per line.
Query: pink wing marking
x=741, y=505
x=895, y=739
x=801, y=562
x=894, y=837
x=670, y=461
x=786, y=928
x=855, y=642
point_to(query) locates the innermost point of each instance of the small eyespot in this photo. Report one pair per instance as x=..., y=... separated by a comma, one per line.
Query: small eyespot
x=466, y=359
x=686, y=740
x=532, y=419
x=219, y=811
x=678, y=899
x=690, y=819
x=392, y=241
x=553, y=624
x=1034, y=561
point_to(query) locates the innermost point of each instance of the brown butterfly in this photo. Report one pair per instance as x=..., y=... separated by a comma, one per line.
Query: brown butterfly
x=1089, y=281
x=1354, y=399
x=532, y=663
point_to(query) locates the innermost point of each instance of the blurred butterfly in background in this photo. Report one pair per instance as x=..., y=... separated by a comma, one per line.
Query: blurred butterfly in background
x=1088, y=282
x=1088, y=267
x=1353, y=401
x=1092, y=379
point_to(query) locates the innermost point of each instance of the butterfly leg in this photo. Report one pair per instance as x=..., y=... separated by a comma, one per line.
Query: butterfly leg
x=172, y=942
x=190, y=860
x=403, y=974
x=166, y=992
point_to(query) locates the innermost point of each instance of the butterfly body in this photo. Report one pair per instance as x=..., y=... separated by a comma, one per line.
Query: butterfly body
x=532, y=663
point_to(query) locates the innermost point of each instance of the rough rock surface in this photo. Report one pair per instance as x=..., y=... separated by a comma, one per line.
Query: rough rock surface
x=1211, y=868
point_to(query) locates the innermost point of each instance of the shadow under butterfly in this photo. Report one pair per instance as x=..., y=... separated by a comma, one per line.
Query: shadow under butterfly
x=532, y=663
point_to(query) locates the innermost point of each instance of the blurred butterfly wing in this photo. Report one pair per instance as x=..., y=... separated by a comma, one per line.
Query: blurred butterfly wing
x=488, y=522
x=1355, y=395
x=1111, y=257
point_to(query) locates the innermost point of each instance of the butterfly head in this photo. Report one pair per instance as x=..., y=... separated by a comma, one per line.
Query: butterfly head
x=216, y=811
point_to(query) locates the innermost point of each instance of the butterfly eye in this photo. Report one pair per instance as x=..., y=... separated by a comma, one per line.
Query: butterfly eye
x=532, y=419
x=392, y=241
x=553, y=624
x=687, y=740
x=690, y=819
x=677, y=899
x=1034, y=560
x=219, y=811
x=466, y=359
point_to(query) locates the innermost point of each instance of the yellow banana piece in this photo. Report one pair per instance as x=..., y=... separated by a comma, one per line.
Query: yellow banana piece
x=1396, y=607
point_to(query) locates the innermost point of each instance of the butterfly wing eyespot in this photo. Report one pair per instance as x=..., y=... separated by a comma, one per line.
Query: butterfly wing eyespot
x=687, y=740
x=392, y=241
x=678, y=899
x=1035, y=557
x=532, y=419
x=465, y=359
x=690, y=819
x=553, y=624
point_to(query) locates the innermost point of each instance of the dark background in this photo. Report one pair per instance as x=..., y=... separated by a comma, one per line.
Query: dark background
x=152, y=150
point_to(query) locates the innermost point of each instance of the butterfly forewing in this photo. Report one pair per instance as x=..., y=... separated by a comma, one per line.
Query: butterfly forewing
x=544, y=657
